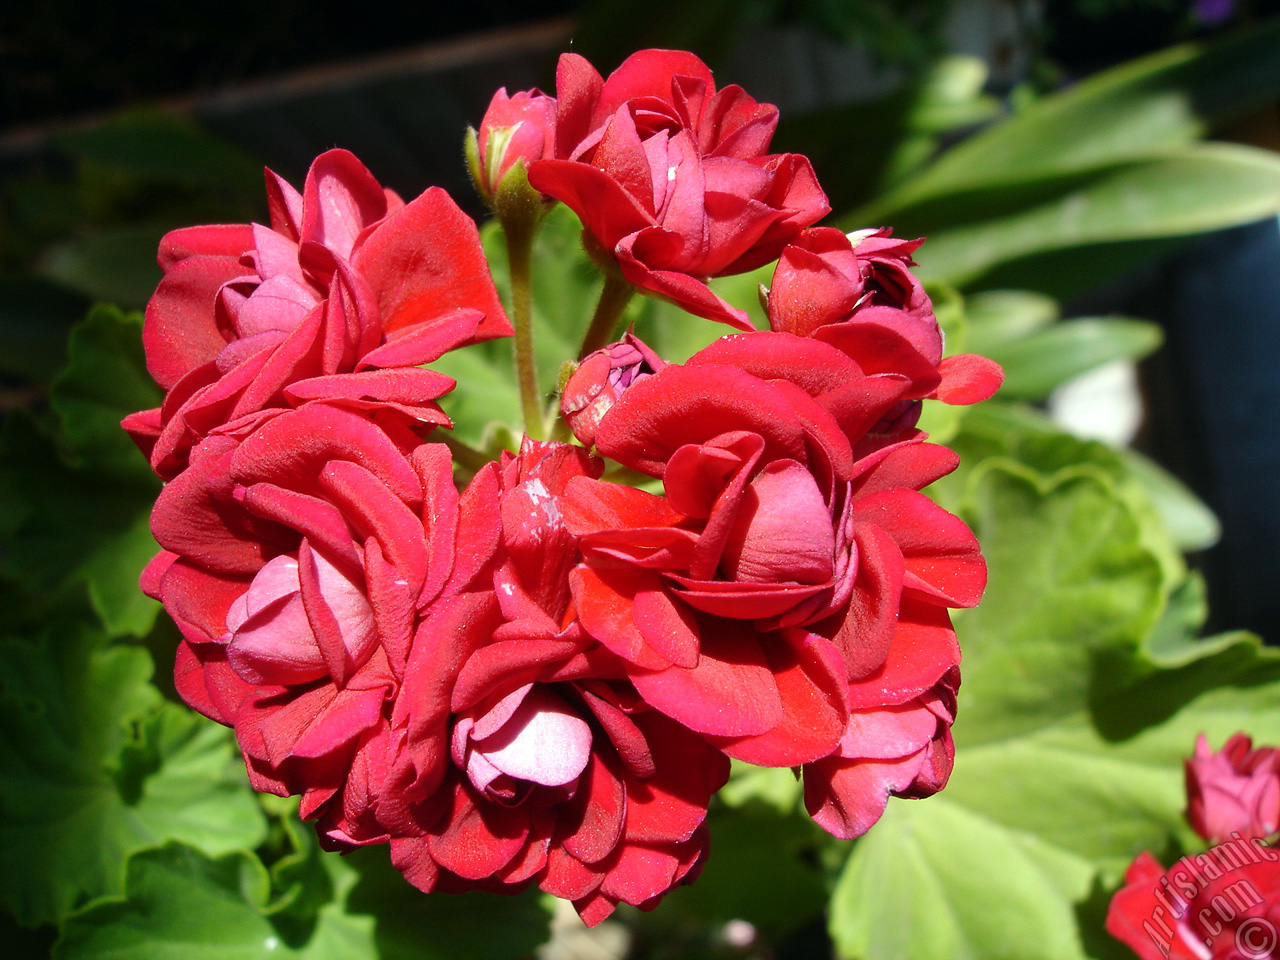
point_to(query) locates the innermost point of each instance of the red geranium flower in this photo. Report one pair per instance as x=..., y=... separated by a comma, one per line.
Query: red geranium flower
x=547, y=768
x=857, y=293
x=341, y=298
x=299, y=564
x=515, y=129
x=786, y=592
x=1234, y=791
x=670, y=176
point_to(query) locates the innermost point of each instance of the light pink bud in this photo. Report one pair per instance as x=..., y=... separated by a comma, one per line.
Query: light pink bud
x=1233, y=791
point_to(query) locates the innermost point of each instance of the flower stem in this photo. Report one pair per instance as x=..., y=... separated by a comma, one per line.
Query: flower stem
x=466, y=459
x=519, y=232
x=614, y=297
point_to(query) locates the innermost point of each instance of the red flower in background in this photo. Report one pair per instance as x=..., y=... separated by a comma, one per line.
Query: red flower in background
x=299, y=564
x=341, y=298
x=1219, y=905
x=670, y=176
x=786, y=596
x=1234, y=791
x=555, y=771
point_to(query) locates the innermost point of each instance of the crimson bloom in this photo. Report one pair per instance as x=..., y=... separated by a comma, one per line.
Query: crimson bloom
x=341, y=298
x=546, y=767
x=1220, y=905
x=856, y=292
x=786, y=597
x=299, y=563
x=671, y=178
x=1233, y=791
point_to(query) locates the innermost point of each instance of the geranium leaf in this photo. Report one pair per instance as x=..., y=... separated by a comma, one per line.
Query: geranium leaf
x=1173, y=194
x=92, y=767
x=104, y=380
x=75, y=491
x=180, y=904
x=1040, y=361
x=1164, y=100
x=1069, y=739
x=410, y=925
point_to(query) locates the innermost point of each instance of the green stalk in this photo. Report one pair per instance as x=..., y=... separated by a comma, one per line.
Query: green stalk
x=467, y=460
x=614, y=297
x=519, y=233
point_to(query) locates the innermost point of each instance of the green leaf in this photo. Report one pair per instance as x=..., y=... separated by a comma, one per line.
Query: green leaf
x=1190, y=522
x=75, y=498
x=763, y=869
x=117, y=264
x=1069, y=578
x=1016, y=432
x=64, y=526
x=180, y=904
x=1158, y=102
x=1070, y=736
x=148, y=144
x=1195, y=189
x=93, y=768
x=860, y=149
x=911, y=889
x=104, y=380
x=999, y=317
x=1050, y=356
x=411, y=925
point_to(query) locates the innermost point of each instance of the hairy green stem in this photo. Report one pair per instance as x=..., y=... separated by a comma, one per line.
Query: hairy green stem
x=466, y=459
x=519, y=232
x=614, y=297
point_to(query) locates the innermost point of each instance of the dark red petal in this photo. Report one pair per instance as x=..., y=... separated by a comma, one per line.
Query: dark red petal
x=943, y=560
x=731, y=692
x=479, y=837
x=867, y=629
x=846, y=798
x=593, y=819
x=811, y=682
x=924, y=648
x=425, y=261
x=181, y=332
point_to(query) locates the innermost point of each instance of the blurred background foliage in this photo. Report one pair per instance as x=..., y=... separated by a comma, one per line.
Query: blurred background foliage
x=1058, y=155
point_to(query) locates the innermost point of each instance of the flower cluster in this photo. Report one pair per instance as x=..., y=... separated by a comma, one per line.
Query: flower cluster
x=1224, y=903
x=518, y=672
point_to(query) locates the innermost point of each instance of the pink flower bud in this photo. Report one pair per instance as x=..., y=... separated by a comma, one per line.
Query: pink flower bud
x=1233, y=791
x=514, y=128
x=600, y=381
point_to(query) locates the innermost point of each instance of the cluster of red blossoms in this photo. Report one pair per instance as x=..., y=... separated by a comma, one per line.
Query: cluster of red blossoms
x=1223, y=904
x=540, y=678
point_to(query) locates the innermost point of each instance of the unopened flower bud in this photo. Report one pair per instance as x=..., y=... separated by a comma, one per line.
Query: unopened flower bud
x=600, y=381
x=516, y=131
x=1233, y=790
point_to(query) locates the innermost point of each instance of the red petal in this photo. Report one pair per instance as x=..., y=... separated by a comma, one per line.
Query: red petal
x=424, y=261
x=731, y=692
x=811, y=681
x=968, y=378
